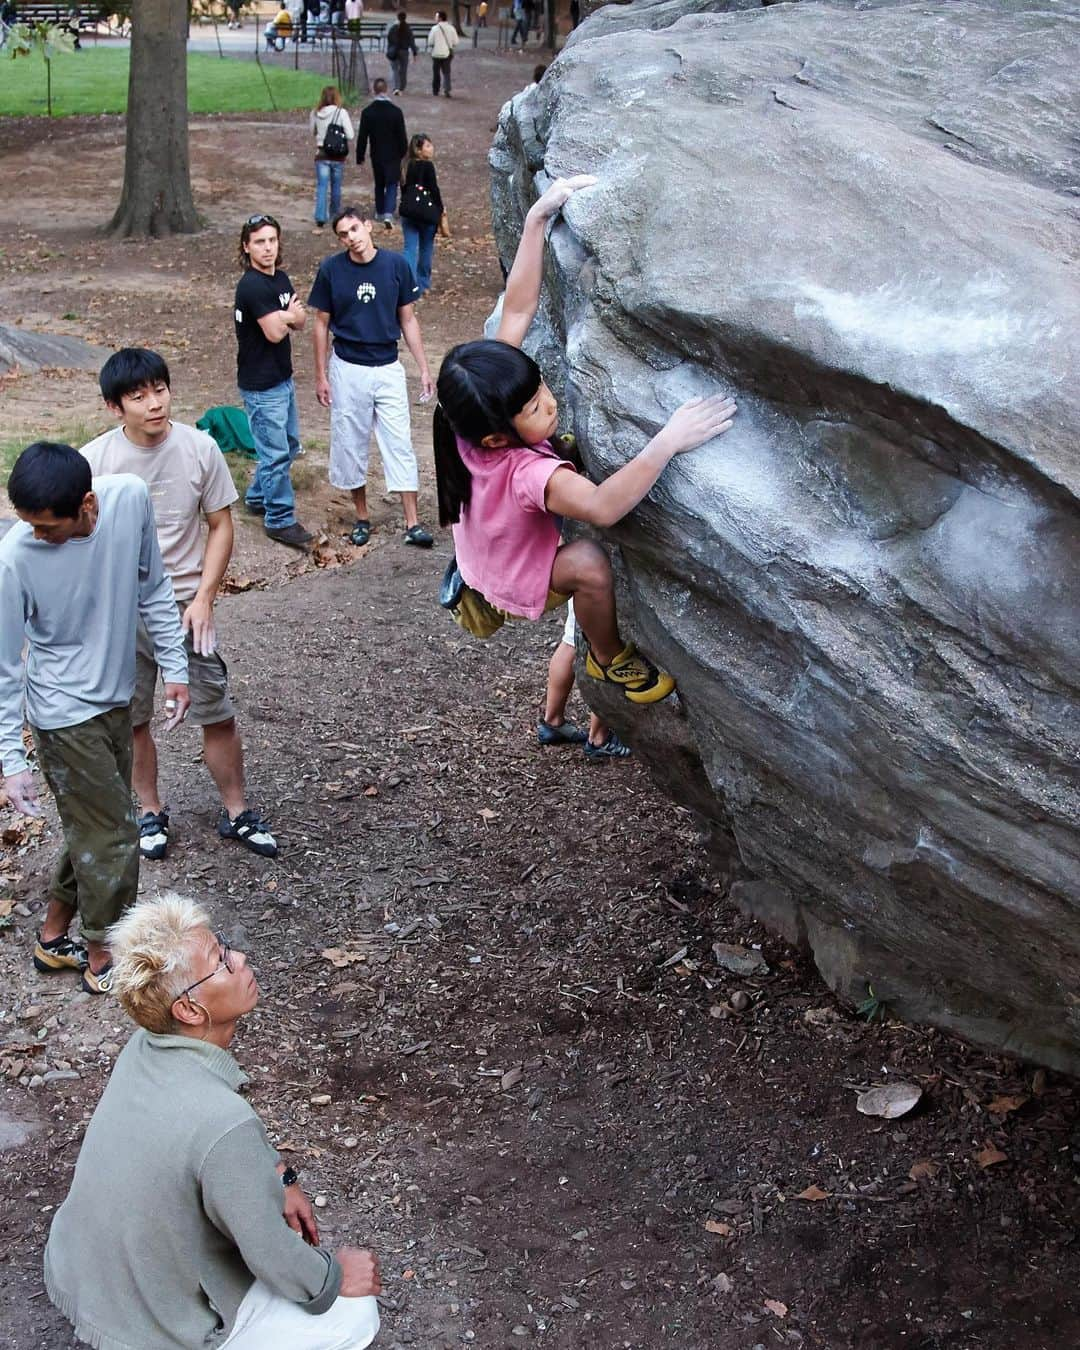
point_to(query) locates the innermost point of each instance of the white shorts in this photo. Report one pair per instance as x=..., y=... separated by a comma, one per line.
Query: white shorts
x=266, y=1321
x=569, y=632
x=363, y=399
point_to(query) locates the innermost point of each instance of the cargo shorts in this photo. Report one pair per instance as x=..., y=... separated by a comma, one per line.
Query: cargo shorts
x=208, y=682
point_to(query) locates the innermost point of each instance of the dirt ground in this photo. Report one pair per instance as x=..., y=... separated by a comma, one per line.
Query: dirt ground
x=551, y=1109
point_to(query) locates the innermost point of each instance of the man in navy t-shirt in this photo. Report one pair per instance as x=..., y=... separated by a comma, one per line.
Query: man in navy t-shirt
x=266, y=312
x=365, y=297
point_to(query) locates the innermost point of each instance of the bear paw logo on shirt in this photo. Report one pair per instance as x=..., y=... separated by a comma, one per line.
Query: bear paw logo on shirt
x=365, y=292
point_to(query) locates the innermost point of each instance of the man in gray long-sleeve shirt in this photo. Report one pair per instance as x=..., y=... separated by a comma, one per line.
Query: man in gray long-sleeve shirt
x=74, y=576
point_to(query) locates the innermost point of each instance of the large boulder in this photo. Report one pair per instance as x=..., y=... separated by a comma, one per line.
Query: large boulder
x=862, y=221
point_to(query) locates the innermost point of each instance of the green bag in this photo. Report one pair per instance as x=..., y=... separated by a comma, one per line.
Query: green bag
x=230, y=428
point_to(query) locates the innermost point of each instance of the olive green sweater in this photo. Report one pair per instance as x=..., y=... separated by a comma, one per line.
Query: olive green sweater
x=175, y=1208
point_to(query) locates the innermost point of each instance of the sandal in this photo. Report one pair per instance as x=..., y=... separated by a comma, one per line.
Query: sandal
x=563, y=734
x=612, y=748
x=361, y=533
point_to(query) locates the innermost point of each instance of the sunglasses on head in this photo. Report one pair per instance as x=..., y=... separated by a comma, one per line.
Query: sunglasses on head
x=255, y=221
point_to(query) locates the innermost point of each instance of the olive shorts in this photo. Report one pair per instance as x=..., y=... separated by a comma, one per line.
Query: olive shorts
x=208, y=682
x=88, y=770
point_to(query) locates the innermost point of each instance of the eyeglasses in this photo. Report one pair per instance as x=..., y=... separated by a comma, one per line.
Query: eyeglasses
x=255, y=221
x=226, y=952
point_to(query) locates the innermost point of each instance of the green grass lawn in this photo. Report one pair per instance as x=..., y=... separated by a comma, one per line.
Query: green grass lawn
x=96, y=81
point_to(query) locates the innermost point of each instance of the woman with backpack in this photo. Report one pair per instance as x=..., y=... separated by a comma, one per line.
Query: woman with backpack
x=333, y=133
x=422, y=212
x=399, y=43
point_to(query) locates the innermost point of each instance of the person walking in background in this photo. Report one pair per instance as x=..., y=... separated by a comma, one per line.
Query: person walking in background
x=442, y=39
x=553, y=728
x=267, y=311
x=76, y=573
x=365, y=296
x=189, y=483
x=521, y=24
x=382, y=133
x=333, y=132
x=399, y=44
x=422, y=211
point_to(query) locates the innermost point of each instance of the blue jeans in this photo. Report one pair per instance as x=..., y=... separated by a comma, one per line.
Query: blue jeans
x=275, y=429
x=328, y=173
x=419, y=250
x=386, y=186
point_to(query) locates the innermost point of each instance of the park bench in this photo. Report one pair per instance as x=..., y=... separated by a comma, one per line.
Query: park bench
x=75, y=18
x=370, y=33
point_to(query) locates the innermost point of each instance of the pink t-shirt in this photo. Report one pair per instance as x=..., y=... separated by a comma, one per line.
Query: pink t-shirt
x=506, y=538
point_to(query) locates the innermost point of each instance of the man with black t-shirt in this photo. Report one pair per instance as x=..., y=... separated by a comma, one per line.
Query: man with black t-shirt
x=365, y=297
x=267, y=311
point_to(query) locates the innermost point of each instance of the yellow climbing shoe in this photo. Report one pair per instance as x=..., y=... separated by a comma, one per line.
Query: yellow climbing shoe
x=640, y=680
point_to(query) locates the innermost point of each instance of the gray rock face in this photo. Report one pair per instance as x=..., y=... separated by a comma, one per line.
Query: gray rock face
x=862, y=221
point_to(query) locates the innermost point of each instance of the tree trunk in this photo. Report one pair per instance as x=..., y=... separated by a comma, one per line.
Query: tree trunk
x=156, y=199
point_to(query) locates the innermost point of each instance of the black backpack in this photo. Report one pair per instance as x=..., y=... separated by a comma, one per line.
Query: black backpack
x=335, y=143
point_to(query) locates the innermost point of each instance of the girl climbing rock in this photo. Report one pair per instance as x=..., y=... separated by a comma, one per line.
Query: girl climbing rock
x=504, y=488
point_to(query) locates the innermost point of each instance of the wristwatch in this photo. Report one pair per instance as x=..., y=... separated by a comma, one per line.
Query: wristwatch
x=290, y=1177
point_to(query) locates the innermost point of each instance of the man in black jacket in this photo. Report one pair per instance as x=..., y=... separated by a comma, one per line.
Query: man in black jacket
x=382, y=126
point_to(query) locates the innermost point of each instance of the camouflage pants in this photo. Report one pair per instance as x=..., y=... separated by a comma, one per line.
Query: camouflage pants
x=88, y=769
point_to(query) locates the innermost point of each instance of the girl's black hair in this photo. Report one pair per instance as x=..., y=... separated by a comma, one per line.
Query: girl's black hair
x=482, y=386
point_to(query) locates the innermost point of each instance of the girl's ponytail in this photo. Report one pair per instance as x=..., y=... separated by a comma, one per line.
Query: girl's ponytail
x=452, y=482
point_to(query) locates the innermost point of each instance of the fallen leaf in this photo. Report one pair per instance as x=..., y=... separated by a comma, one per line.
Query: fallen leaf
x=722, y=1284
x=738, y=959
x=340, y=958
x=372, y=791
x=271, y=885
x=1002, y=1106
x=720, y=1229
x=924, y=1170
x=813, y=1193
x=777, y=1308
x=235, y=585
x=487, y=814
x=511, y=1077
x=889, y=1101
x=990, y=1156
x=7, y=904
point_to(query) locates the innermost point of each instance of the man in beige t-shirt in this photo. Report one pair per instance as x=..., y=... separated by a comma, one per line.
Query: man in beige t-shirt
x=189, y=482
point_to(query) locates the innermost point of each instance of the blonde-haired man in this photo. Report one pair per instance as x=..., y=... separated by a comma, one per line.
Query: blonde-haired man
x=218, y=1244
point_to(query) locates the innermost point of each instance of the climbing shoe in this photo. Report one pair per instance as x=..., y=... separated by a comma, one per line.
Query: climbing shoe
x=98, y=982
x=61, y=953
x=154, y=834
x=249, y=830
x=639, y=679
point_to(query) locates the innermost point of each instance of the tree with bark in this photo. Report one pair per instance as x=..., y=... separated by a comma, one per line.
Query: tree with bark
x=156, y=199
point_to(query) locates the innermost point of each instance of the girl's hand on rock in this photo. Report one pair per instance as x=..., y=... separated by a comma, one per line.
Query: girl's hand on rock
x=558, y=194
x=698, y=421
